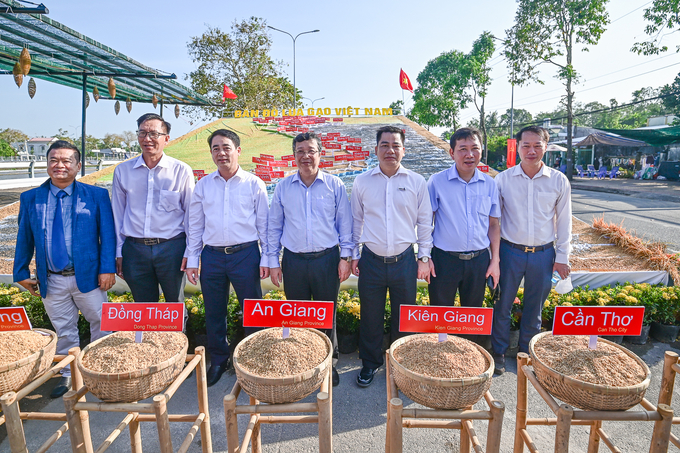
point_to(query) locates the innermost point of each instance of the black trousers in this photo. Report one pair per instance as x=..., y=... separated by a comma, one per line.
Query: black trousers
x=218, y=271
x=147, y=266
x=375, y=278
x=468, y=277
x=313, y=279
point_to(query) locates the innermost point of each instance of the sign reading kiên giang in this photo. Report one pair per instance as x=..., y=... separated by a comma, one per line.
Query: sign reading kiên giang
x=598, y=320
x=287, y=313
x=449, y=320
x=139, y=316
x=14, y=318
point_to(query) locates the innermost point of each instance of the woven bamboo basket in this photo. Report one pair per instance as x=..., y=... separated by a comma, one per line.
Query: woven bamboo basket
x=283, y=389
x=15, y=375
x=440, y=393
x=134, y=385
x=584, y=395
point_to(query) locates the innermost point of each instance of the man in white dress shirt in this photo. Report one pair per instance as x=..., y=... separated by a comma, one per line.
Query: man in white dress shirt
x=311, y=218
x=227, y=217
x=535, y=234
x=388, y=203
x=151, y=195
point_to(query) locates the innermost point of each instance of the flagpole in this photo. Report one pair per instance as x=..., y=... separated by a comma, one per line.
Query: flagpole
x=403, y=103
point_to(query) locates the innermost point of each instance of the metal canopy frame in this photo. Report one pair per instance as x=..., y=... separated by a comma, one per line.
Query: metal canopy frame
x=61, y=55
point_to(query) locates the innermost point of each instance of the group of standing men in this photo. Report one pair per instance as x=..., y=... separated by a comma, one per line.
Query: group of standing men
x=164, y=226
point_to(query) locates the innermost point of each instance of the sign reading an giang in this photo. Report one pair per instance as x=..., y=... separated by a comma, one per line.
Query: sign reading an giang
x=344, y=111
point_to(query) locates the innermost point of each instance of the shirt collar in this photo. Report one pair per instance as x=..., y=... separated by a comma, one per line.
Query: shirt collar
x=55, y=190
x=239, y=174
x=544, y=171
x=164, y=162
x=320, y=175
x=452, y=173
x=377, y=171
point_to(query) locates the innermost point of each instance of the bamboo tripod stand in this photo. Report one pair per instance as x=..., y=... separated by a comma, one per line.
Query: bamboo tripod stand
x=399, y=418
x=13, y=416
x=156, y=411
x=567, y=416
x=670, y=369
x=262, y=413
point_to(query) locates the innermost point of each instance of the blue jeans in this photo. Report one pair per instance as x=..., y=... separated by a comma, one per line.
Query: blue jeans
x=536, y=269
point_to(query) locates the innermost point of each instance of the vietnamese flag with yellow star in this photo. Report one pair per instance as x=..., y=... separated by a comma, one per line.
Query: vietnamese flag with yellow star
x=405, y=82
x=228, y=94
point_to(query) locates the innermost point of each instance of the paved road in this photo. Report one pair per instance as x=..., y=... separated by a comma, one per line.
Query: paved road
x=652, y=219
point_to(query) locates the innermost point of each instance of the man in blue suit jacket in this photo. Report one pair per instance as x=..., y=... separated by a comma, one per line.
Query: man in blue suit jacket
x=70, y=226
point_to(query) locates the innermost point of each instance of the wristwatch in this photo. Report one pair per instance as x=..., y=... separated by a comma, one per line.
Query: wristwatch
x=346, y=258
x=424, y=259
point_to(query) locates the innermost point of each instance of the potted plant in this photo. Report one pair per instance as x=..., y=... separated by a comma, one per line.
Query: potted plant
x=347, y=321
x=646, y=296
x=664, y=326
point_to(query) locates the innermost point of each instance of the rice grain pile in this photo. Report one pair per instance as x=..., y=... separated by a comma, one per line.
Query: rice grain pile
x=606, y=365
x=21, y=344
x=268, y=354
x=118, y=353
x=453, y=358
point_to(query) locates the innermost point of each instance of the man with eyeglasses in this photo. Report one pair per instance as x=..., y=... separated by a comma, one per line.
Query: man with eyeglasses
x=310, y=217
x=151, y=195
x=227, y=217
x=389, y=203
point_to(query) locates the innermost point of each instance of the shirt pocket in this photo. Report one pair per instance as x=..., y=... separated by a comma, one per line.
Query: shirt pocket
x=325, y=203
x=484, y=205
x=546, y=202
x=169, y=200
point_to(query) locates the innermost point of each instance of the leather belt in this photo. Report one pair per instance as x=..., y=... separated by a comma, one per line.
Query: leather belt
x=313, y=255
x=528, y=249
x=465, y=256
x=155, y=241
x=392, y=259
x=64, y=273
x=230, y=249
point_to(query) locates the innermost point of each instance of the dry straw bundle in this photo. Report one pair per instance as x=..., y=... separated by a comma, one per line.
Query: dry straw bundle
x=653, y=252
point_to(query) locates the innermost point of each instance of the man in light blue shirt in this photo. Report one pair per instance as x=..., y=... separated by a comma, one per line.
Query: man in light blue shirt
x=466, y=225
x=310, y=217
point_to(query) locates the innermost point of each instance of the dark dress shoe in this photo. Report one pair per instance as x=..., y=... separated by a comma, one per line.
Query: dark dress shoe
x=336, y=377
x=63, y=386
x=365, y=377
x=215, y=372
x=499, y=362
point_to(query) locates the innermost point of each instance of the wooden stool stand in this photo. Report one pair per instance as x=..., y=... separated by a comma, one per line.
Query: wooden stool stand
x=567, y=416
x=13, y=416
x=399, y=418
x=671, y=367
x=145, y=412
x=261, y=413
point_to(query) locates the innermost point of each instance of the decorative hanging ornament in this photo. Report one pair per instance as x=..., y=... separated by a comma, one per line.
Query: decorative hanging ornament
x=128, y=104
x=112, y=88
x=116, y=107
x=154, y=101
x=25, y=61
x=18, y=75
x=87, y=100
x=177, y=111
x=95, y=94
x=31, y=88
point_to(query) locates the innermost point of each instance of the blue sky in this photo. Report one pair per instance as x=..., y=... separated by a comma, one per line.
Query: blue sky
x=354, y=60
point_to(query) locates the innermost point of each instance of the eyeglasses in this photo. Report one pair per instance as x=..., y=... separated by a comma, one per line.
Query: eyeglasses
x=153, y=135
x=308, y=153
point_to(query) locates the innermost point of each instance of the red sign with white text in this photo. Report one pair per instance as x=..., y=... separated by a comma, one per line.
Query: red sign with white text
x=140, y=316
x=330, y=145
x=198, y=172
x=278, y=163
x=266, y=157
x=597, y=320
x=257, y=160
x=354, y=140
x=353, y=148
x=340, y=157
x=325, y=164
x=483, y=168
x=287, y=313
x=333, y=134
x=337, y=119
x=277, y=174
x=14, y=318
x=451, y=320
x=290, y=157
x=265, y=178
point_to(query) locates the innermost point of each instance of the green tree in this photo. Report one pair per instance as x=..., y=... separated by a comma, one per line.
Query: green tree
x=671, y=99
x=547, y=31
x=520, y=117
x=239, y=59
x=12, y=135
x=663, y=18
x=441, y=95
x=112, y=141
x=477, y=65
x=6, y=150
x=397, y=107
